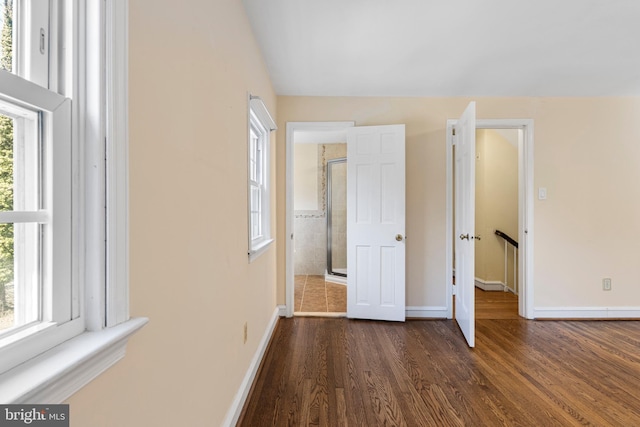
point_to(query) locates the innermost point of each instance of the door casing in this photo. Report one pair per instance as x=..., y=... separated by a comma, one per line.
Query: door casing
x=525, y=210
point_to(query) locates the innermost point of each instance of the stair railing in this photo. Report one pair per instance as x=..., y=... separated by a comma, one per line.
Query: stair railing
x=510, y=241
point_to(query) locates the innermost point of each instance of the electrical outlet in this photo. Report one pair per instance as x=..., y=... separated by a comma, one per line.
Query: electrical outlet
x=245, y=332
x=606, y=284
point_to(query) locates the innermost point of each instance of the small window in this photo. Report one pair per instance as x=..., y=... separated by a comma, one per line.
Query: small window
x=260, y=126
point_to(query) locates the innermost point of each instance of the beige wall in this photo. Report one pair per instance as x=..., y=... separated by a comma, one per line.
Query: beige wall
x=496, y=203
x=587, y=153
x=306, y=175
x=190, y=71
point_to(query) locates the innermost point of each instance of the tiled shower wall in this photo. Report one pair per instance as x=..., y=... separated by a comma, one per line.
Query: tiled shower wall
x=310, y=239
x=310, y=228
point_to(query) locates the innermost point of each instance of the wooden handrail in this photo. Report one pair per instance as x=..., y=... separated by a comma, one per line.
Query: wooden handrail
x=506, y=237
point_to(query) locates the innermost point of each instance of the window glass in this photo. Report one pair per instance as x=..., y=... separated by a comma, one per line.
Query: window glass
x=6, y=35
x=257, y=189
x=260, y=126
x=20, y=245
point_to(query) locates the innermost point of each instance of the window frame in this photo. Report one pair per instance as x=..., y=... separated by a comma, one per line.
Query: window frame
x=58, y=322
x=94, y=75
x=260, y=124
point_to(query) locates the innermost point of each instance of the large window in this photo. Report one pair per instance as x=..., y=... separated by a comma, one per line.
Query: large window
x=260, y=126
x=36, y=294
x=63, y=197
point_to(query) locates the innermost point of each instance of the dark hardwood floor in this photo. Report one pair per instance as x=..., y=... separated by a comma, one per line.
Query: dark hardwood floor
x=338, y=372
x=496, y=305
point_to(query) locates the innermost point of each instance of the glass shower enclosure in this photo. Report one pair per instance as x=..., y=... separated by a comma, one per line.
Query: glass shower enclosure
x=337, y=217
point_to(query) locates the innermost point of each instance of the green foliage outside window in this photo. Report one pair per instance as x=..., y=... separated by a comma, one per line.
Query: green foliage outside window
x=6, y=164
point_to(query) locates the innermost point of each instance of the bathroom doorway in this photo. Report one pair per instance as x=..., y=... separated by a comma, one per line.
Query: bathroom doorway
x=319, y=224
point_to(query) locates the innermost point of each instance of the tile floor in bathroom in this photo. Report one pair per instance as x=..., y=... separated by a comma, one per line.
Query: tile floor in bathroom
x=315, y=295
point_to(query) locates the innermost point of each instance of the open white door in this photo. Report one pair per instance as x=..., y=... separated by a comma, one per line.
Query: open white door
x=465, y=172
x=376, y=222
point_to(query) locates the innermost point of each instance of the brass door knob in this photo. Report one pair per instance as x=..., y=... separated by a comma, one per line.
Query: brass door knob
x=464, y=236
x=399, y=237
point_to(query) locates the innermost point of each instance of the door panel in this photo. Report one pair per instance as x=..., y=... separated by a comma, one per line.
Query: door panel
x=375, y=216
x=465, y=161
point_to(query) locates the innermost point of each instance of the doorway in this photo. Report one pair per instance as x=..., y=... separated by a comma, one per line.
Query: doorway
x=310, y=134
x=376, y=285
x=319, y=225
x=523, y=275
x=496, y=223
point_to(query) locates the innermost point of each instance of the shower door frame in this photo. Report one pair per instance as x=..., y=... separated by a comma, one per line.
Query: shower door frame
x=329, y=206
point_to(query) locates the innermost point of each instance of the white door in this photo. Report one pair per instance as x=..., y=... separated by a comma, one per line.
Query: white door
x=465, y=172
x=376, y=222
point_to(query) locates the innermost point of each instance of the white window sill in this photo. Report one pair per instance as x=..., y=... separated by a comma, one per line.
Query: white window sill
x=259, y=249
x=56, y=374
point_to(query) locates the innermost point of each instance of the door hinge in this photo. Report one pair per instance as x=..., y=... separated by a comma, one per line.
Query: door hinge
x=453, y=131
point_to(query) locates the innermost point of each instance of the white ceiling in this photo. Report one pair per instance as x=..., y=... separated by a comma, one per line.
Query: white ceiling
x=450, y=47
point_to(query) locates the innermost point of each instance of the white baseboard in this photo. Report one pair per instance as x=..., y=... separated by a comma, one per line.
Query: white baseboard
x=282, y=310
x=586, y=313
x=489, y=285
x=241, y=396
x=426, y=312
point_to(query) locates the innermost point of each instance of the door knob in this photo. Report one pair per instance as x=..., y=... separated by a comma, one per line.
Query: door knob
x=399, y=237
x=464, y=236
x=477, y=237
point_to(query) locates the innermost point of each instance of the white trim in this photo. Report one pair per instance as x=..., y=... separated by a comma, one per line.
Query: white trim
x=91, y=98
x=261, y=111
x=450, y=271
x=25, y=93
x=243, y=392
x=72, y=82
x=13, y=217
x=117, y=159
x=490, y=285
x=258, y=250
x=427, y=312
x=328, y=314
x=292, y=127
x=587, y=313
x=525, y=209
x=58, y=373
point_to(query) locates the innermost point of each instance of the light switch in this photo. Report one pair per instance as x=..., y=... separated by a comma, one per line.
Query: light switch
x=542, y=193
